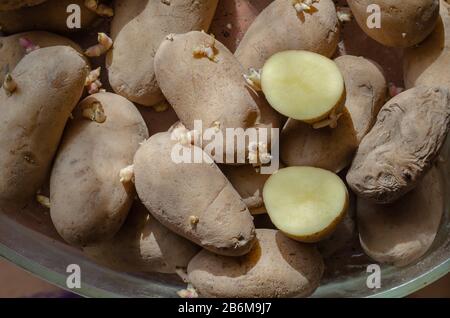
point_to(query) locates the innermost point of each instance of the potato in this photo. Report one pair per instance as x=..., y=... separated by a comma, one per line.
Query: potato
x=366, y=90
x=49, y=83
x=303, y=85
x=143, y=245
x=402, y=232
x=138, y=28
x=425, y=63
x=407, y=137
x=326, y=148
x=11, y=51
x=276, y=267
x=402, y=24
x=249, y=183
x=195, y=200
x=6, y=5
x=280, y=27
x=344, y=234
x=306, y=203
x=49, y=16
x=212, y=91
x=89, y=201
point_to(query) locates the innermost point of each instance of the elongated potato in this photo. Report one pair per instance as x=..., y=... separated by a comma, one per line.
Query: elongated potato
x=402, y=23
x=194, y=200
x=48, y=83
x=280, y=27
x=89, y=201
x=366, y=89
x=406, y=139
x=326, y=148
x=138, y=28
x=276, y=267
x=424, y=63
x=402, y=232
x=12, y=51
x=212, y=90
x=49, y=16
x=6, y=5
x=143, y=245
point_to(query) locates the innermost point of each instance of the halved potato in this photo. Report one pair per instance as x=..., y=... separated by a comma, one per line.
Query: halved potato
x=302, y=85
x=305, y=203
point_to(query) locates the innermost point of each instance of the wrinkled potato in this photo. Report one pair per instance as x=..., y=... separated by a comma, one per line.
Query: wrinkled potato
x=143, y=245
x=49, y=16
x=280, y=27
x=406, y=139
x=366, y=91
x=6, y=5
x=89, y=201
x=327, y=148
x=402, y=232
x=195, y=200
x=249, y=183
x=276, y=267
x=402, y=23
x=306, y=203
x=138, y=28
x=425, y=63
x=48, y=83
x=11, y=50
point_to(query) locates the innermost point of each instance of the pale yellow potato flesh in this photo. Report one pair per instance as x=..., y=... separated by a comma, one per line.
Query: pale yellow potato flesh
x=302, y=85
x=305, y=203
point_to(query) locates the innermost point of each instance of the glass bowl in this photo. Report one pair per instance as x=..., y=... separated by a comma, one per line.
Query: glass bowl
x=28, y=239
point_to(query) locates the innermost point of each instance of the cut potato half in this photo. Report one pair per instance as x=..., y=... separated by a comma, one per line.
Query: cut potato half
x=302, y=85
x=305, y=203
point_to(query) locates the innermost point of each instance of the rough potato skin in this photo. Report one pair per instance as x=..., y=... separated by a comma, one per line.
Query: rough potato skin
x=11, y=52
x=366, y=90
x=50, y=82
x=279, y=28
x=143, y=245
x=327, y=148
x=88, y=202
x=138, y=28
x=174, y=193
x=403, y=23
x=407, y=137
x=48, y=16
x=424, y=63
x=402, y=232
x=6, y=5
x=249, y=183
x=276, y=267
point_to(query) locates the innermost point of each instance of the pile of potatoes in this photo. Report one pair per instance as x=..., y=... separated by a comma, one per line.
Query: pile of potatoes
x=355, y=161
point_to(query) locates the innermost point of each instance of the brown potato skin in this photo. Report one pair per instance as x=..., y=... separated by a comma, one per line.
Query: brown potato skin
x=327, y=148
x=174, y=192
x=424, y=63
x=415, y=18
x=48, y=16
x=366, y=91
x=50, y=82
x=279, y=28
x=402, y=232
x=88, y=202
x=11, y=52
x=6, y=5
x=276, y=267
x=138, y=28
x=143, y=245
x=400, y=149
